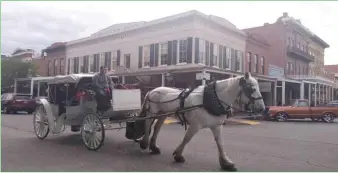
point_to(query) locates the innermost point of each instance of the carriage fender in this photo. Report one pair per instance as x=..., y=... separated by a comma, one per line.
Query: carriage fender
x=49, y=113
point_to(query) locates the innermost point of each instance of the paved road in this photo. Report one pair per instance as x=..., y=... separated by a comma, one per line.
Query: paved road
x=269, y=146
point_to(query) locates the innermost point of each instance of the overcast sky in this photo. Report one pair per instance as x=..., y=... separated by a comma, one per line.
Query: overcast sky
x=36, y=25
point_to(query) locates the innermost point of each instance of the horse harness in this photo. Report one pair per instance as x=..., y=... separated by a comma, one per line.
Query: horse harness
x=211, y=102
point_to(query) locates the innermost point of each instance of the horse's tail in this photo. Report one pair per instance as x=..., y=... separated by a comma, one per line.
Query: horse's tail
x=145, y=104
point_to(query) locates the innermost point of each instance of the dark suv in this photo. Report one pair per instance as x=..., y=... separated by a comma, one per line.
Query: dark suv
x=11, y=103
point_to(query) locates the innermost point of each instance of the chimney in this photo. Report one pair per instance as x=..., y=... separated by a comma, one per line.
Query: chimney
x=265, y=24
x=285, y=14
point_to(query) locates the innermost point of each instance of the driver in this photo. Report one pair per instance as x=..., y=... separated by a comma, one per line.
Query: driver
x=102, y=82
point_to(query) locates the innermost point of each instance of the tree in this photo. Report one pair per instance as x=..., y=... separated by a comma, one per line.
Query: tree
x=12, y=68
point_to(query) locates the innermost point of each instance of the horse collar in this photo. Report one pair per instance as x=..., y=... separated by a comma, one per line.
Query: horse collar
x=211, y=101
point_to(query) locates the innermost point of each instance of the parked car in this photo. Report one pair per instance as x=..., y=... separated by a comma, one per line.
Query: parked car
x=301, y=109
x=12, y=103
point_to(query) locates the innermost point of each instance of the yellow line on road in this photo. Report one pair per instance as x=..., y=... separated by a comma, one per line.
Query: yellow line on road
x=170, y=121
x=247, y=122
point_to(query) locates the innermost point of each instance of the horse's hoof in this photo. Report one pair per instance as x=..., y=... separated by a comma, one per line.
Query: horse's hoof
x=179, y=159
x=155, y=150
x=229, y=167
x=143, y=145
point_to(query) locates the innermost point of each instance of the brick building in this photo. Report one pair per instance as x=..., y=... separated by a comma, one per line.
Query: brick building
x=293, y=50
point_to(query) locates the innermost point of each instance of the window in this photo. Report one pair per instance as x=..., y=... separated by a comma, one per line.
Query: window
x=288, y=68
x=107, y=60
x=215, y=55
x=164, y=53
x=220, y=56
x=114, y=60
x=228, y=57
x=68, y=66
x=298, y=68
x=292, y=42
x=55, y=67
x=62, y=66
x=201, y=51
x=91, y=63
x=303, y=48
x=85, y=64
x=263, y=64
x=249, y=59
x=302, y=104
x=127, y=60
x=255, y=69
x=101, y=61
x=146, y=56
x=75, y=65
x=291, y=67
x=81, y=64
x=183, y=45
x=238, y=59
x=298, y=45
x=49, y=69
x=289, y=41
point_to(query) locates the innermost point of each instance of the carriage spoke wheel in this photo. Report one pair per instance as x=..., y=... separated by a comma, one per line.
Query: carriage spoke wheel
x=40, y=122
x=92, y=132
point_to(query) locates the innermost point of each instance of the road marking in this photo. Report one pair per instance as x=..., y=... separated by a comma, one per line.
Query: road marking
x=247, y=122
x=170, y=121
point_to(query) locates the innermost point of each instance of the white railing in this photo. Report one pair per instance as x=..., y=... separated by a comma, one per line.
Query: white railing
x=310, y=77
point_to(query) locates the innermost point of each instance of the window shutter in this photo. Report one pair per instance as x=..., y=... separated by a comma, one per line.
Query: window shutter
x=152, y=55
x=220, y=56
x=140, y=53
x=211, y=54
x=189, y=50
x=174, y=60
x=207, y=50
x=224, y=57
x=156, y=54
x=197, y=52
x=118, y=59
x=170, y=52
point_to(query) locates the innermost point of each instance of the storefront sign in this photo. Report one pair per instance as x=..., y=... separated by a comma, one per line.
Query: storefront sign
x=265, y=86
x=276, y=71
x=200, y=76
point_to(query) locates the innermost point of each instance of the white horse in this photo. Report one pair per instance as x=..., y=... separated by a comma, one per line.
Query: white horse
x=163, y=99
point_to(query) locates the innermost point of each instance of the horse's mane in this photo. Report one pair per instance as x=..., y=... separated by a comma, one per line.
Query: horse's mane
x=226, y=83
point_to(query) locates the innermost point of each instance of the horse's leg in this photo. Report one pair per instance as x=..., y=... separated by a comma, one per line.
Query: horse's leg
x=144, y=143
x=224, y=161
x=155, y=149
x=192, y=130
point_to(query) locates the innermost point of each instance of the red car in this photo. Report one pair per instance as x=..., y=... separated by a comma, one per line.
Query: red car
x=12, y=103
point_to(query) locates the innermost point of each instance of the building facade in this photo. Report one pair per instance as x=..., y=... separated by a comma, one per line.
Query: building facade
x=25, y=55
x=53, y=60
x=299, y=52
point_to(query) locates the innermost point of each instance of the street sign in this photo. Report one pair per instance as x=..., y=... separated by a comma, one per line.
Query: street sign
x=200, y=76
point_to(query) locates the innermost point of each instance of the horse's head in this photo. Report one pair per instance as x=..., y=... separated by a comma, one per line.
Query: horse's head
x=250, y=93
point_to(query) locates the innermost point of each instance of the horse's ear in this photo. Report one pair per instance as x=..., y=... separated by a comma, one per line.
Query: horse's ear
x=247, y=75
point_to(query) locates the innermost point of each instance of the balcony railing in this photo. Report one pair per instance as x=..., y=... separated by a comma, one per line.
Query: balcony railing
x=294, y=51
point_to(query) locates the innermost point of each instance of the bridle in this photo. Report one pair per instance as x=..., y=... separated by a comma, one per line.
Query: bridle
x=247, y=90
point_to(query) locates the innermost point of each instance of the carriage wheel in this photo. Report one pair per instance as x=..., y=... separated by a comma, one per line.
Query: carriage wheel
x=40, y=123
x=92, y=132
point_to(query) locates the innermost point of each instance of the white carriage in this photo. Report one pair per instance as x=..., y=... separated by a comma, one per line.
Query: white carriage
x=64, y=107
